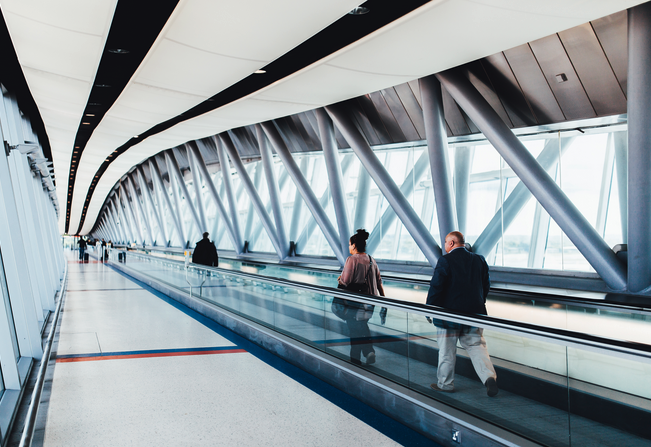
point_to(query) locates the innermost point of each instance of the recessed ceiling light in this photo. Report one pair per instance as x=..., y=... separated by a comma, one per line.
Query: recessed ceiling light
x=359, y=11
x=86, y=123
x=90, y=114
x=136, y=136
x=259, y=72
x=94, y=104
x=118, y=51
x=102, y=85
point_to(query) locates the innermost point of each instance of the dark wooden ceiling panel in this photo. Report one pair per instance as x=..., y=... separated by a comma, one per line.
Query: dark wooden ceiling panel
x=406, y=129
x=409, y=95
x=593, y=69
x=372, y=114
x=483, y=84
x=534, y=85
x=612, y=34
x=453, y=116
x=554, y=62
x=388, y=117
x=363, y=123
x=506, y=86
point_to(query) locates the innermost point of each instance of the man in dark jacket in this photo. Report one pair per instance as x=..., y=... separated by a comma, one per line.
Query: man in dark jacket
x=205, y=252
x=461, y=282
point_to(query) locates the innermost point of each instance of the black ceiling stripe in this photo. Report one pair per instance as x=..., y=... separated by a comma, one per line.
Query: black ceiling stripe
x=134, y=28
x=12, y=77
x=338, y=35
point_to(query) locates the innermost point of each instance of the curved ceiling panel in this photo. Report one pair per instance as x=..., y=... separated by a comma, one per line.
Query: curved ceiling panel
x=194, y=58
x=435, y=37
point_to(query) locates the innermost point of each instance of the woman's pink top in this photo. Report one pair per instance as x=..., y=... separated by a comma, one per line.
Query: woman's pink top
x=355, y=272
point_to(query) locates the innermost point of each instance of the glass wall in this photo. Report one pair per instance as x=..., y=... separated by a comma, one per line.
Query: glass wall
x=497, y=213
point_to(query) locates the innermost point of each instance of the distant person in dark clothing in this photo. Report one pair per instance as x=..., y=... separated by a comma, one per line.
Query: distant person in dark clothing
x=205, y=252
x=461, y=282
x=82, y=248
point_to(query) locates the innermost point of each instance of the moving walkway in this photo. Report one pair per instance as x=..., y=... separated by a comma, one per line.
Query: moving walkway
x=582, y=384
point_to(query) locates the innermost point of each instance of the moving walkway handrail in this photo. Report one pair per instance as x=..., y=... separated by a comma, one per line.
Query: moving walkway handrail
x=30, y=420
x=548, y=297
x=566, y=337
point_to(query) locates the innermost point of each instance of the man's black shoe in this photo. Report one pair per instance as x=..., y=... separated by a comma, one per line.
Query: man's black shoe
x=491, y=387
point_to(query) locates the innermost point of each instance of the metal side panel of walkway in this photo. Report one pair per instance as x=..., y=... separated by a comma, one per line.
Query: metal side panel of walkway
x=136, y=368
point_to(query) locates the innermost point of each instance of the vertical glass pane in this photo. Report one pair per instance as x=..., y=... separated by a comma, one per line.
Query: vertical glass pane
x=610, y=399
x=10, y=316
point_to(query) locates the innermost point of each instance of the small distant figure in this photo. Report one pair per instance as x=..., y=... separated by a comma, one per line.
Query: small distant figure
x=82, y=248
x=205, y=253
x=461, y=282
x=104, y=250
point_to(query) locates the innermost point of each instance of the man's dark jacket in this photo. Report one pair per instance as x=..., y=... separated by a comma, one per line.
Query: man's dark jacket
x=205, y=253
x=460, y=282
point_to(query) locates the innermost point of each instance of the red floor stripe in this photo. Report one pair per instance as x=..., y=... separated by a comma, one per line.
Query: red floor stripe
x=140, y=356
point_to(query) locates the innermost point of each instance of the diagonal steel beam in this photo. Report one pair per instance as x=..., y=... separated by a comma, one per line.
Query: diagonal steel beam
x=335, y=177
x=407, y=189
x=306, y=192
x=173, y=164
x=253, y=195
x=196, y=181
x=149, y=203
x=228, y=188
x=272, y=186
x=379, y=174
x=518, y=198
x=162, y=193
x=201, y=164
x=139, y=208
x=550, y=196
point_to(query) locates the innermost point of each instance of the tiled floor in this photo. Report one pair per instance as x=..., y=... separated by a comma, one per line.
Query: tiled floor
x=132, y=369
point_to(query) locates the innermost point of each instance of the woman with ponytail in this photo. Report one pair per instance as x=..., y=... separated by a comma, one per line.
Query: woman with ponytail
x=360, y=274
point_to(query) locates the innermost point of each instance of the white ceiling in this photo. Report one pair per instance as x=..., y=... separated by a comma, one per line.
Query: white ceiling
x=208, y=45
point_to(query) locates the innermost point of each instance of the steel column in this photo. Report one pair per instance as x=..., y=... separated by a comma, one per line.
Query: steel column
x=606, y=187
x=546, y=191
x=132, y=213
x=298, y=205
x=621, y=165
x=234, y=236
x=383, y=180
x=518, y=198
x=639, y=147
x=248, y=226
x=196, y=181
x=157, y=179
x=389, y=215
x=173, y=164
x=149, y=203
x=437, y=145
x=139, y=208
x=272, y=185
x=362, y=198
x=123, y=207
x=228, y=187
x=306, y=192
x=335, y=177
x=115, y=221
x=463, y=157
x=253, y=195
